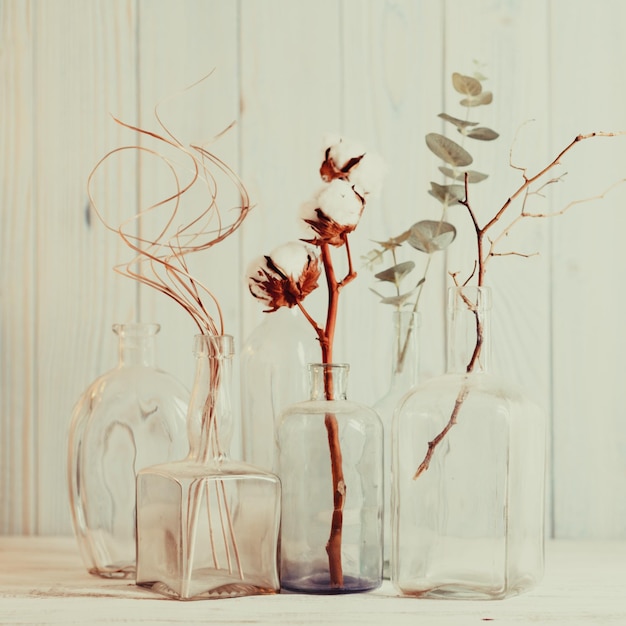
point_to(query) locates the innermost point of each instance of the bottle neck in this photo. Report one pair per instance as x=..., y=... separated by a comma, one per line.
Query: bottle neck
x=469, y=329
x=328, y=381
x=404, y=363
x=209, y=420
x=137, y=344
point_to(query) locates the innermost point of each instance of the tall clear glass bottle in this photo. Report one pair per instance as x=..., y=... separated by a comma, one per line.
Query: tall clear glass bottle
x=330, y=464
x=468, y=473
x=207, y=526
x=404, y=376
x=128, y=418
x=273, y=368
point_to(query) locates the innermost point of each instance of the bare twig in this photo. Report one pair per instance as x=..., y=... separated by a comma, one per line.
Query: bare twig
x=483, y=258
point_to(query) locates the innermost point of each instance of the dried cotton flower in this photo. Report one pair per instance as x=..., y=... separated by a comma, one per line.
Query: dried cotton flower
x=348, y=160
x=333, y=213
x=285, y=277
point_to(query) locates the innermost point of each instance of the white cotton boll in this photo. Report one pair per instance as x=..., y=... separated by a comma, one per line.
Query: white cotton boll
x=367, y=175
x=330, y=139
x=307, y=212
x=343, y=150
x=256, y=272
x=338, y=201
x=291, y=258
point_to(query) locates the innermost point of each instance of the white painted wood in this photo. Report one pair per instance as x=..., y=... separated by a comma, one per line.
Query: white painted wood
x=83, y=53
x=17, y=274
x=179, y=44
x=493, y=34
x=43, y=582
x=291, y=90
x=393, y=82
x=286, y=72
x=589, y=257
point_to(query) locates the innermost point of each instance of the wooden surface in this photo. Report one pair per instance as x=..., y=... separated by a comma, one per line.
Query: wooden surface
x=42, y=581
x=287, y=72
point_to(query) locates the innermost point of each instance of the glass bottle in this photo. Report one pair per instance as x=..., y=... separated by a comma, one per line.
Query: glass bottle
x=128, y=418
x=273, y=367
x=471, y=524
x=207, y=526
x=330, y=463
x=404, y=374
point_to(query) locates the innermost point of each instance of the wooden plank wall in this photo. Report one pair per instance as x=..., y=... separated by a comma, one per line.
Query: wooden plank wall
x=287, y=72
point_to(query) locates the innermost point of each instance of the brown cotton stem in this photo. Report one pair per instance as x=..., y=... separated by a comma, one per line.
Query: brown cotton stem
x=333, y=546
x=333, y=302
x=326, y=337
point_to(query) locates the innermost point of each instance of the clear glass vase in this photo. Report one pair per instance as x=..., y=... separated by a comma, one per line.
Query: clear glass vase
x=404, y=377
x=128, y=418
x=330, y=464
x=207, y=526
x=274, y=375
x=468, y=473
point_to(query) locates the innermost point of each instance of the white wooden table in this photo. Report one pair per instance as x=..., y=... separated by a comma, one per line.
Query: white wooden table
x=42, y=581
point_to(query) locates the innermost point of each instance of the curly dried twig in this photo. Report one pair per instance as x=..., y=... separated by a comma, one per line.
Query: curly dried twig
x=160, y=262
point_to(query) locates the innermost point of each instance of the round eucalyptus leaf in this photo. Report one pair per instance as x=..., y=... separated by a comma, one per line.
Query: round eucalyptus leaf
x=467, y=85
x=486, y=97
x=472, y=175
x=447, y=150
x=456, y=121
x=431, y=236
x=482, y=133
x=398, y=300
x=396, y=273
x=447, y=194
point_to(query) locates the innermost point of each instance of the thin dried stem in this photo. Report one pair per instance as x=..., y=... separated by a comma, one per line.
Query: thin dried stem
x=159, y=262
x=432, y=445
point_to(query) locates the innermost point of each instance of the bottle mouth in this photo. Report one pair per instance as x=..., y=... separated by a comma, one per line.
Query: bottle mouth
x=136, y=329
x=469, y=297
x=329, y=366
x=214, y=346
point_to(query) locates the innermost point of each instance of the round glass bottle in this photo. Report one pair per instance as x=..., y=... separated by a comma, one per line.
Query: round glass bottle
x=404, y=375
x=128, y=418
x=468, y=473
x=207, y=526
x=274, y=375
x=330, y=464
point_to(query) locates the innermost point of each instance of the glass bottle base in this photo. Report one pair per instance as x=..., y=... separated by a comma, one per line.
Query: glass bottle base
x=320, y=584
x=114, y=571
x=452, y=591
x=234, y=589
